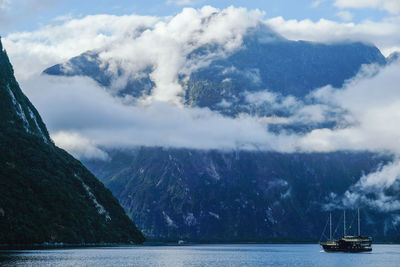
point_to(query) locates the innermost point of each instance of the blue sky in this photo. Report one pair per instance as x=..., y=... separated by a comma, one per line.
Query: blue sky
x=27, y=15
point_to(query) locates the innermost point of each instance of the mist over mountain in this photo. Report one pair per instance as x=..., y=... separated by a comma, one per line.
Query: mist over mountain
x=46, y=194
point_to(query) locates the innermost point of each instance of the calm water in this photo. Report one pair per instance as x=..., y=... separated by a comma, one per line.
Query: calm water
x=202, y=255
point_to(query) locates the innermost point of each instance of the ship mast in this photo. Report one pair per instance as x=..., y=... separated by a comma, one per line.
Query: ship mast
x=358, y=211
x=344, y=223
x=330, y=226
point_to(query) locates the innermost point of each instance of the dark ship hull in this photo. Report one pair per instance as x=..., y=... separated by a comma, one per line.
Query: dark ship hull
x=348, y=244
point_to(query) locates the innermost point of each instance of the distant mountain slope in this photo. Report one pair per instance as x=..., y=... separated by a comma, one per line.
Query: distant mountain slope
x=265, y=61
x=216, y=196
x=284, y=67
x=46, y=194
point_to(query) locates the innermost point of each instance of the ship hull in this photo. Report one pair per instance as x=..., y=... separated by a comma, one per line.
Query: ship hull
x=328, y=248
x=348, y=244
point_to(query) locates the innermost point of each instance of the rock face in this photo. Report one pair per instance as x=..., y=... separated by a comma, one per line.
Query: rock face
x=215, y=196
x=283, y=67
x=46, y=194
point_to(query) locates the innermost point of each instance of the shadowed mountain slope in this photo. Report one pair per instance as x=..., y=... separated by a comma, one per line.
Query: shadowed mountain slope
x=46, y=194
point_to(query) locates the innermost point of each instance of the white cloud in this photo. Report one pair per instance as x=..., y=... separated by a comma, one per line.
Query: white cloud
x=344, y=15
x=78, y=146
x=4, y=3
x=385, y=34
x=32, y=52
x=372, y=113
x=19, y=12
x=89, y=113
x=392, y=6
x=180, y=2
x=317, y=3
x=371, y=189
x=166, y=46
x=373, y=108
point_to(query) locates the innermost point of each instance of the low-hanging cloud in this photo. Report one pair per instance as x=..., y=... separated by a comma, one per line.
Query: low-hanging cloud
x=370, y=122
x=79, y=146
x=378, y=190
x=90, y=113
x=373, y=107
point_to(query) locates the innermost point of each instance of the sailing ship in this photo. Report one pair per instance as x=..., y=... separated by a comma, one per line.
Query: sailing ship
x=348, y=243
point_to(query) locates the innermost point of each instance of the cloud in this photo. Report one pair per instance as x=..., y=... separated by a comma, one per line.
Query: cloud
x=32, y=52
x=369, y=124
x=317, y=3
x=372, y=104
x=392, y=6
x=90, y=113
x=179, y=36
x=385, y=34
x=344, y=15
x=180, y=2
x=378, y=189
x=19, y=12
x=79, y=146
x=4, y=3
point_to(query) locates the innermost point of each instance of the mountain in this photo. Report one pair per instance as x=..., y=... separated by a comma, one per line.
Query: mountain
x=284, y=67
x=46, y=194
x=214, y=196
x=265, y=61
x=240, y=196
x=89, y=64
